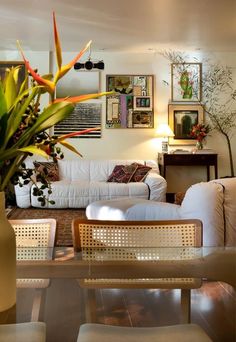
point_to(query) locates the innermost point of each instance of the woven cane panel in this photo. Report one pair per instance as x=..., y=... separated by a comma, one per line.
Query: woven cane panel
x=144, y=281
x=34, y=238
x=143, y=253
x=35, y=235
x=137, y=236
x=124, y=242
x=32, y=283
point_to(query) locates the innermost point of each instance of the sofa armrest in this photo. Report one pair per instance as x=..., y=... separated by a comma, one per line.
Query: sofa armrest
x=23, y=195
x=157, y=185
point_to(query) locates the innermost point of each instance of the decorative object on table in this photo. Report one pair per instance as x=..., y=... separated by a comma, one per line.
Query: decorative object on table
x=23, y=131
x=181, y=118
x=199, y=132
x=164, y=131
x=132, y=105
x=186, y=82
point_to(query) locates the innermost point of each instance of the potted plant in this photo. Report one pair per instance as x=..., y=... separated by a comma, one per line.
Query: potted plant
x=23, y=131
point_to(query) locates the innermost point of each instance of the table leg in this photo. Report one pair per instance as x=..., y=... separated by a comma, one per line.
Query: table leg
x=208, y=173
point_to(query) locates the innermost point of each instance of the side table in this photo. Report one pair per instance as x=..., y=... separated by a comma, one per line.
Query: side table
x=188, y=159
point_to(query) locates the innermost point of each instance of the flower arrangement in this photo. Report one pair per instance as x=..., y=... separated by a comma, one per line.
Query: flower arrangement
x=24, y=126
x=199, y=132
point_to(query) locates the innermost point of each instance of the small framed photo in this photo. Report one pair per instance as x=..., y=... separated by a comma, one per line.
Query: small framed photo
x=186, y=82
x=142, y=103
x=181, y=118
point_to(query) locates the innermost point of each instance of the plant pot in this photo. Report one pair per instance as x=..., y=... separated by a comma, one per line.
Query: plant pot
x=7, y=260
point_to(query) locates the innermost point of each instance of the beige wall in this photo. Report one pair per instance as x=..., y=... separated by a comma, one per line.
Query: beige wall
x=139, y=143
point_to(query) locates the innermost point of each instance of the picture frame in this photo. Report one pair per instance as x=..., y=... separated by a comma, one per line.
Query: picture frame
x=181, y=118
x=186, y=81
x=86, y=114
x=132, y=104
x=4, y=65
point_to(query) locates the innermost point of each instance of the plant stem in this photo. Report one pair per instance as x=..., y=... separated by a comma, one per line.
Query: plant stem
x=230, y=155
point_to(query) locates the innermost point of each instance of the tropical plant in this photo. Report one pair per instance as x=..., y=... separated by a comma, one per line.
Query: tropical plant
x=24, y=126
x=219, y=97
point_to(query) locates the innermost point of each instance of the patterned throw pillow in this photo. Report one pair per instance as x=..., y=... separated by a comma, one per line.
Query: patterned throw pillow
x=47, y=168
x=140, y=173
x=122, y=173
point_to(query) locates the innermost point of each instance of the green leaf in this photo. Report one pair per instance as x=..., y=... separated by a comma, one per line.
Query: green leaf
x=15, y=117
x=3, y=103
x=35, y=150
x=10, y=88
x=70, y=147
x=53, y=114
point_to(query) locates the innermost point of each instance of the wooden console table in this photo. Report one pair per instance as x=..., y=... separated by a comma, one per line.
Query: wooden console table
x=188, y=159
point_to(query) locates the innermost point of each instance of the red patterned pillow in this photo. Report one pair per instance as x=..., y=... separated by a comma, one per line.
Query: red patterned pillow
x=140, y=173
x=47, y=168
x=122, y=173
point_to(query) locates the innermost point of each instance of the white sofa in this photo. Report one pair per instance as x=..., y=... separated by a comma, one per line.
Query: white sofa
x=83, y=181
x=214, y=203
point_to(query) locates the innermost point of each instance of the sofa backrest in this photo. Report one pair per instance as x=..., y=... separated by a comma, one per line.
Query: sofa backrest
x=96, y=170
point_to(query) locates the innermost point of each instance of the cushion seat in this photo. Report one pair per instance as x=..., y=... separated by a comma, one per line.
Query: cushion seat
x=107, y=333
x=114, y=209
x=23, y=332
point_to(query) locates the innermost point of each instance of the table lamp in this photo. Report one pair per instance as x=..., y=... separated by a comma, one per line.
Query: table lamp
x=164, y=131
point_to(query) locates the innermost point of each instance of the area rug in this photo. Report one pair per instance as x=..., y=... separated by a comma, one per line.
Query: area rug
x=63, y=217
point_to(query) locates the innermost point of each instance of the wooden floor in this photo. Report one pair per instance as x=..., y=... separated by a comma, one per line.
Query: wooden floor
x=213, y=308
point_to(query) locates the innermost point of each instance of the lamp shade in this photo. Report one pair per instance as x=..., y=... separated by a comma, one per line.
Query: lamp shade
x=164, y=130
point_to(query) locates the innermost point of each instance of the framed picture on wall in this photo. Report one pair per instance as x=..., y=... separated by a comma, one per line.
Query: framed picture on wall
x=132, y=104
x=87, y=114
x=181, y=119
x=9, y=64
x=186, y=82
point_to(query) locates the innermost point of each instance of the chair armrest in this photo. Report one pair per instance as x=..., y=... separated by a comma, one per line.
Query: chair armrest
x=157, y=185
x=151, y=210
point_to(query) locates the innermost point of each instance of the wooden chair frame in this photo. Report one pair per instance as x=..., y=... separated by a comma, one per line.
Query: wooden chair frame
x=89, y=234
x=35, y=233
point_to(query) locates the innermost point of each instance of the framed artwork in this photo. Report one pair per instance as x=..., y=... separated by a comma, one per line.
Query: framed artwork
x=181, y=118
x=132, y=105
x=85, y=115
x=186, y=82
x=6, y=65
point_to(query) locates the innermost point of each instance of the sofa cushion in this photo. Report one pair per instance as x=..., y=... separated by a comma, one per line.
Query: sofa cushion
x=204, y=201
x=50, y=169
x=122, y=173
x=152, y=210
x=140, y=173
x=78, y=194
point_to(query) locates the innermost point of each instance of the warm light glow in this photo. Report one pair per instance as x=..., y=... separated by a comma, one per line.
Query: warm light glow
x=164, y=130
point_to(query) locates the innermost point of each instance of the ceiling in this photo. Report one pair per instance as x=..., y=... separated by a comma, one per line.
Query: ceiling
x=120, y=25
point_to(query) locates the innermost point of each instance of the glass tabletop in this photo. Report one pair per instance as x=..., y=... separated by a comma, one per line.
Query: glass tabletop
x=61, y=299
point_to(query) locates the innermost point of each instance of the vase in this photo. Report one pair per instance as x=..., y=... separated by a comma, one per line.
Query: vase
x=7, y=260
x=199, y=145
